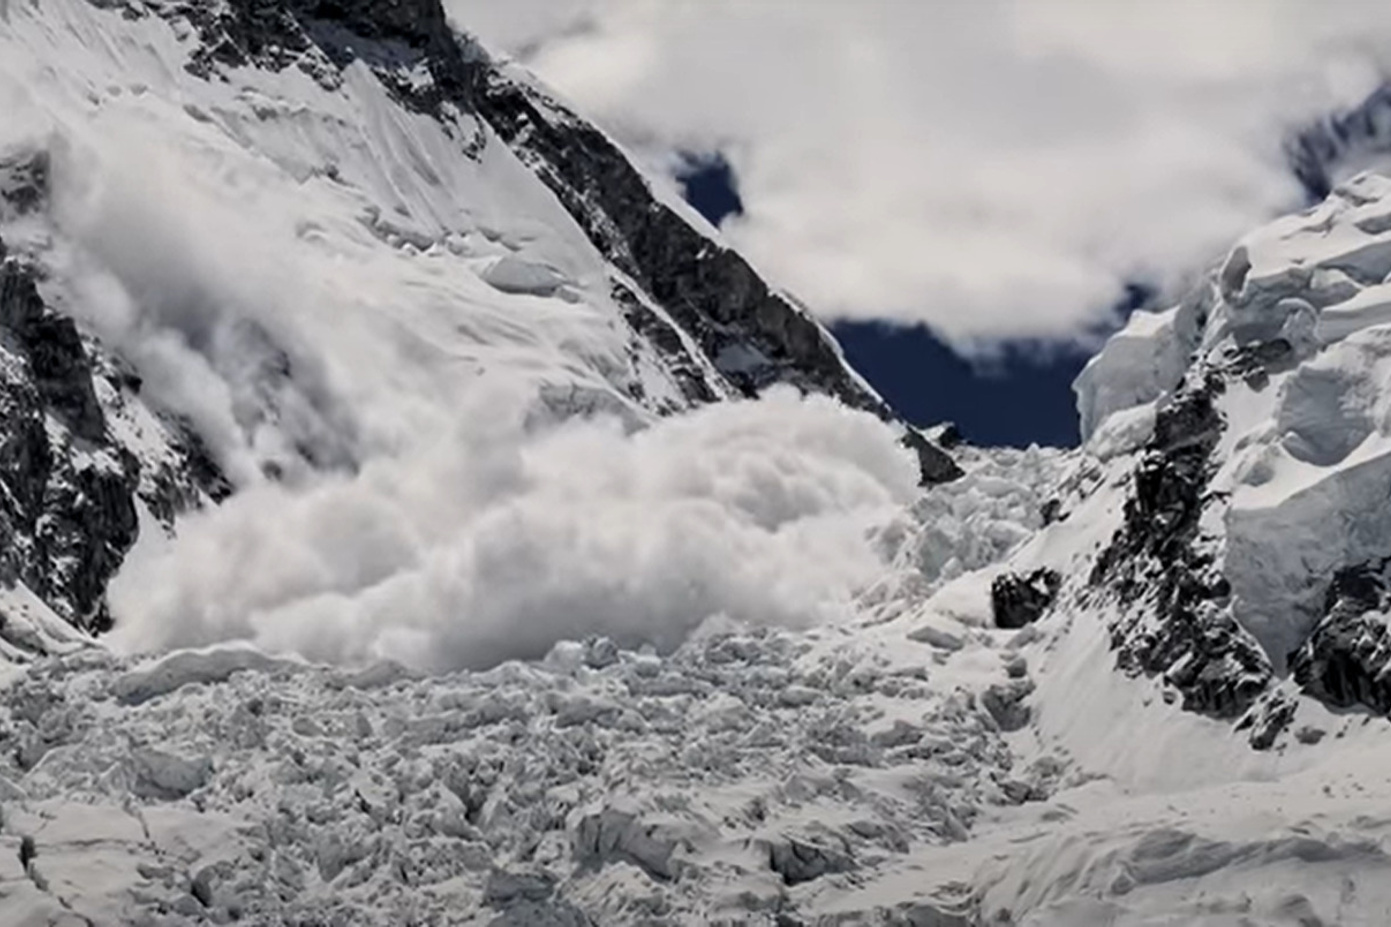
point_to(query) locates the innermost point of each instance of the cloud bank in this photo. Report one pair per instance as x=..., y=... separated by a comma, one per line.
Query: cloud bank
x=998, y=169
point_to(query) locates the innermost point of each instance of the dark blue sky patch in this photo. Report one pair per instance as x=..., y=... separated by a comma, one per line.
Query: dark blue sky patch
x=1021, y=396
x=710, y=186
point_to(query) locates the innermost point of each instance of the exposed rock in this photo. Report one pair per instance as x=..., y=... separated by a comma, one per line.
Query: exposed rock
x=1019, y=600
x=1346, y=660
x=1267, y=720
x=934, y=464
x=58, y=362
x=24, y=177
x=67, y=516
x=1310, y=735
x=1177, y=621
x=68, y=487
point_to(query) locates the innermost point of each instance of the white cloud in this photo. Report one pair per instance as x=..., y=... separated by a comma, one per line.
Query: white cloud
x=997, y=169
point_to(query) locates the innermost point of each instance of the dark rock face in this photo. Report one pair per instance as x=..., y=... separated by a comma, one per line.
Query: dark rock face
x=320, y=36
x=1176, y=623
x=1346, y=661
x=23, y=182
x=57, y=360
x=68, y=516
x=68, y=488
x=934, y=464
x=1019, y=600
x=1269, y=718
x=667, y=340
x=1256, y=361
x=709, y=291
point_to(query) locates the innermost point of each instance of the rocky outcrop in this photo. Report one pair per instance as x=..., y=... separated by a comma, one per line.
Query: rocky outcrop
x=1346, y=662
x=69, y=485
x=52, y=349
x=319, y=37
x=1019, y=600
x=67, y=514
x=1252, y=419
x=1176, y=622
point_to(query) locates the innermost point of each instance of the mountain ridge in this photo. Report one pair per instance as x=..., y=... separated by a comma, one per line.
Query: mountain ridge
x=691, y=308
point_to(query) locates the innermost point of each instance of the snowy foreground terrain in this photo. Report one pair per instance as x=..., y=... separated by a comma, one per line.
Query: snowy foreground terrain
x=412, y=514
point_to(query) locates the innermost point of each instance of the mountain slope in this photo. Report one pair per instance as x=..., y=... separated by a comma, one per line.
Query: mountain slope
x=300, y=229
x=399, y=425
x=1250, y=515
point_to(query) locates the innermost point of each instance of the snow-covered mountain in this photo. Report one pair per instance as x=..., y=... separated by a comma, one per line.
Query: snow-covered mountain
x=255, y=241
x=413, y=514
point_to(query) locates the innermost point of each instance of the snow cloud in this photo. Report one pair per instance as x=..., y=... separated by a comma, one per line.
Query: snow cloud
x=998, y=169
x=492, y=544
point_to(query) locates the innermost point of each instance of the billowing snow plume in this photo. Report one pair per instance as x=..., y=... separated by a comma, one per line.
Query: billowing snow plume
x=492, y=544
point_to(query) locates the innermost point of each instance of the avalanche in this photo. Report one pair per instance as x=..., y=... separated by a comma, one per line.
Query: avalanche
x=414, y=515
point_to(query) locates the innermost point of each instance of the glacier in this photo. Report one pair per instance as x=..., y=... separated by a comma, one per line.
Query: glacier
x=412, y=513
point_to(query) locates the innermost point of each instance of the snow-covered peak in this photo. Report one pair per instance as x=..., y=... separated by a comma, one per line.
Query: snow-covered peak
x=337, y=246
x=1256, y=415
